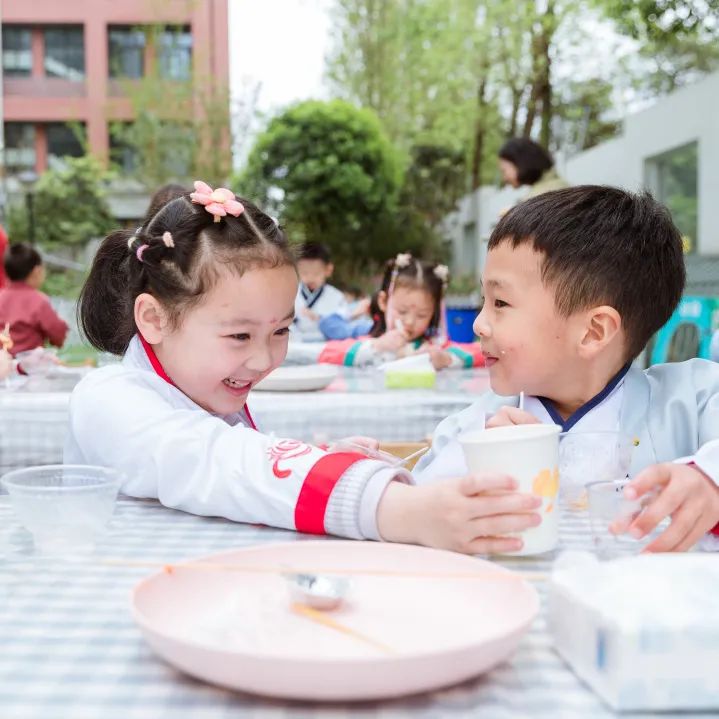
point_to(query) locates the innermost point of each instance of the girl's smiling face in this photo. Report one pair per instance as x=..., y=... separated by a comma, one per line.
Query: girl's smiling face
x=230, y=341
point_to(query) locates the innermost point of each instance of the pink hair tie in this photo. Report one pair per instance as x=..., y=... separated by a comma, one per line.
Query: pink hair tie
x=140, y=250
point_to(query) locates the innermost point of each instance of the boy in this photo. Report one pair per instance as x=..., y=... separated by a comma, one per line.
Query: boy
x=28, y=311
x=576, y=282
x=315, y=298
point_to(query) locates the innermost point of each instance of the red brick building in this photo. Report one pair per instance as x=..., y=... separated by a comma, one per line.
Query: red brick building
x=65, y=61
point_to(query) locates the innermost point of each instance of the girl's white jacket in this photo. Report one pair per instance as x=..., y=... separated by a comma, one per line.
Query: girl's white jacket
x=166, y=447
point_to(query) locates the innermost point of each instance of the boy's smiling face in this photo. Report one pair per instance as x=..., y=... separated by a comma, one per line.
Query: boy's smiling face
x=527, y=344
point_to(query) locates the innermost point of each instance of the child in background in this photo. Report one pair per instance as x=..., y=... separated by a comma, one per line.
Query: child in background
x=315, y=297
x=576, y=281
x=408, y=318
x=200, y=300
x=356, y=320
x=28, y=311
x=162, y=196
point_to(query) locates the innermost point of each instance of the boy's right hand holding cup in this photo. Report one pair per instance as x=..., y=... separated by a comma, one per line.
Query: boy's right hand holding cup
x=466, y=514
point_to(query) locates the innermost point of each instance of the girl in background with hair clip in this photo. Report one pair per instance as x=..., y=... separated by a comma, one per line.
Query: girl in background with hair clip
x=409, y=318
x=199, y=301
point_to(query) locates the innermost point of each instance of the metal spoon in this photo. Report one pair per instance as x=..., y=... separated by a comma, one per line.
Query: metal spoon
x=318, y=591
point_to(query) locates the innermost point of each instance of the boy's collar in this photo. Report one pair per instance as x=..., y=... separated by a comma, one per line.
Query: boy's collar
x=567, y=424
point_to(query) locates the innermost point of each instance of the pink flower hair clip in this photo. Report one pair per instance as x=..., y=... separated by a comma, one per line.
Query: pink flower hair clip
x=219, y=202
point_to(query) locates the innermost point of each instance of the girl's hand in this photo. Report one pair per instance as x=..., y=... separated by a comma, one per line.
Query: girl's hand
x=466, y=514
x=510, y=415
x=439, y=358
x=685, y=494
x=365, y=442
x=390, y=341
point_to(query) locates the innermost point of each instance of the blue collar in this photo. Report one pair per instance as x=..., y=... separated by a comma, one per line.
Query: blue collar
x=311, y=297
x=567, y=424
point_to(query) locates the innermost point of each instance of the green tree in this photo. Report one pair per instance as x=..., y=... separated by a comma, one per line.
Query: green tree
x=678, y=39
x=70, y=206
x=328, y=170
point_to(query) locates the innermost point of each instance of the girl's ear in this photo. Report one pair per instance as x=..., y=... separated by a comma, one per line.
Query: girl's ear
x=382, y=300
x=150, y=318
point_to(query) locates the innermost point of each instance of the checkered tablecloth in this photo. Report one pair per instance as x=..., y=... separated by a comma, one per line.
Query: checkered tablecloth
x=34, y=420
x=69, y=647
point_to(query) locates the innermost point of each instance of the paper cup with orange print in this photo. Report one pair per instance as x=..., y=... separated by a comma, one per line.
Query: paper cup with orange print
x=530, y=454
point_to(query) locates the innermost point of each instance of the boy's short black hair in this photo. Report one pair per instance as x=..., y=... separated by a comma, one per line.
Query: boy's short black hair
x=314, y=251
x=20, y=261
x=603, y=246
x=530, y=159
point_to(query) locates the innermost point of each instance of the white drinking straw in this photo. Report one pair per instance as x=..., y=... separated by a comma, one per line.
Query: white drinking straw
x=521, y=400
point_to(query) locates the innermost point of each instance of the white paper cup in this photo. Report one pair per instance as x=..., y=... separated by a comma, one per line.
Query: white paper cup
x=530, y=454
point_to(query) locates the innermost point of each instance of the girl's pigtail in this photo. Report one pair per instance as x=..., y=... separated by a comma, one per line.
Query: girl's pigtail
x=105, y=312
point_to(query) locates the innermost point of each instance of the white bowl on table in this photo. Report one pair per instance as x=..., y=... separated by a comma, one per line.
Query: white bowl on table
x=303, y=378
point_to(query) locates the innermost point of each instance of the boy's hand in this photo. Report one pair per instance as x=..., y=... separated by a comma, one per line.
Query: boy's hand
x=686, y=495
x=510, y=415
x=310, y=314
x=467, y=514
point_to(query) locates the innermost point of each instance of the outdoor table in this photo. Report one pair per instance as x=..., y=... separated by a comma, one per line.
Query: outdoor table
x=70, y=647
x=34, y=418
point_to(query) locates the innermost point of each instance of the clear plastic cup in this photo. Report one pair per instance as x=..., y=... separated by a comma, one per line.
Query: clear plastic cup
x=607, y=504
x=38, y=362
x=586, y=457
x=65, y=507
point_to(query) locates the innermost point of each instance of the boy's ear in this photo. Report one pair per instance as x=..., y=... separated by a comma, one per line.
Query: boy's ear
x=382, y=300
x=602, y=326
x=150, y=318
x=329, y=269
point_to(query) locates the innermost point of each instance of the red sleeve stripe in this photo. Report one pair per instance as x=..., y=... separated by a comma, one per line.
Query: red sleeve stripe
x=317, y=488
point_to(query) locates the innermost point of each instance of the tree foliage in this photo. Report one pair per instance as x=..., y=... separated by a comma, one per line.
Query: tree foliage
x=678, y=39
x=329, y=171
x=70, y=206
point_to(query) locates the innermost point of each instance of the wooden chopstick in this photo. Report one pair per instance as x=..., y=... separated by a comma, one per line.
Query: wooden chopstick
x=332, y=571
x=322, y=618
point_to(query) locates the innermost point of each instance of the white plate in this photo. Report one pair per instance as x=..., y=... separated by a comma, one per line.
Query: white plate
x=298, y=379
x=237, y=628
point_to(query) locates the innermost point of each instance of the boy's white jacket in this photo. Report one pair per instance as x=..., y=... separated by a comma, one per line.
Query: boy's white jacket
x=325, y=301
x=672, y=409
x=167, y=447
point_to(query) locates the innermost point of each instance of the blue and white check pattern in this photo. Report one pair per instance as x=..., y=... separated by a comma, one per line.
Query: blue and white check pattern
x=34, y=420
x=69, y=648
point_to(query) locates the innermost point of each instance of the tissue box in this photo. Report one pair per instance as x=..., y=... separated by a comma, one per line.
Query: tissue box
x=409, y=378
x=642, y=631
x=409, y=372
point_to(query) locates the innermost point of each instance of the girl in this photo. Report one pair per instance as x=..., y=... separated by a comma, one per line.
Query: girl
x=408, y=312
x=199, y=300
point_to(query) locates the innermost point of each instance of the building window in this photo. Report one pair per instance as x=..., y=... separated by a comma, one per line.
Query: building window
x=126, y=52
x=673, y=177
x=123, y=153
x=174, y=53
x=16, y=51
x=65, y=52
x=63, y=141
x=19, y=146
